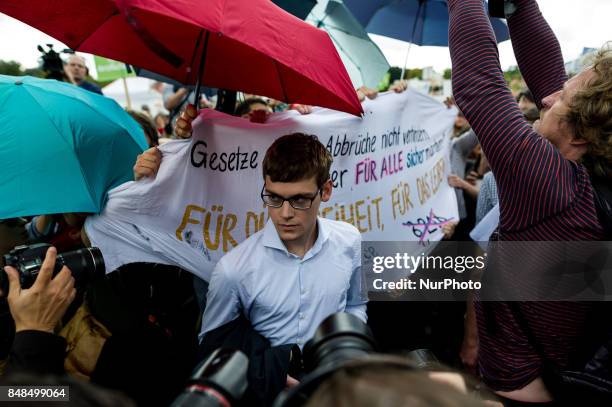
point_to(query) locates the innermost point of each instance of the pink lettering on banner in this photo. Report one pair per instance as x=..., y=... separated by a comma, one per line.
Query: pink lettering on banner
x=366, y=171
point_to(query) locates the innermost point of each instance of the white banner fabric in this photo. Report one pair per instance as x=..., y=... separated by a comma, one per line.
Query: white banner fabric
x=389, y=174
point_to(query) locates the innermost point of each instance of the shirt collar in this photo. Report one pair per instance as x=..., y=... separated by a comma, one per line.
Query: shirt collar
x=272, y=240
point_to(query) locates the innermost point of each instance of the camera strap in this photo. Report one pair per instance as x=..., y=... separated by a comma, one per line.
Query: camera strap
x=603, y=204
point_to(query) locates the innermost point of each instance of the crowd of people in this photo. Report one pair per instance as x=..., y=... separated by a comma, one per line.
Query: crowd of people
x=535, y=165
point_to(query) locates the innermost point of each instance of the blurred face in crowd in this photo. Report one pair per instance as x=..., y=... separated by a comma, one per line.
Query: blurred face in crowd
x=296, y=226
x=460, y=121
x=553, y=124
x=76, y=68
x=255, y=107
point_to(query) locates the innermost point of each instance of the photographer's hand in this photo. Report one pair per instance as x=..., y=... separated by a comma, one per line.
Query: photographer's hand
x=42, y=306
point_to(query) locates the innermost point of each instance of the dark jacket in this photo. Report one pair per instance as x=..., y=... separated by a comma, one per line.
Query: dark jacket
x=268, y=366
x=37, y=352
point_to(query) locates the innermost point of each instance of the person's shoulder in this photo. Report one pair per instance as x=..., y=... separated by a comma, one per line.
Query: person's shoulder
x=488, y=178
x=341, y=231
x=244, y=253
x=91, y=87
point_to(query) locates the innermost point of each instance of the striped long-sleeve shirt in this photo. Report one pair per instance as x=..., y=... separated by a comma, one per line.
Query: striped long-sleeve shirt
x=543, y=196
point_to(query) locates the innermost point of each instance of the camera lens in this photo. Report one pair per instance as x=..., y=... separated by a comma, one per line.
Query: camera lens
x=83, y=263
x=339, y=338
x=217, y=381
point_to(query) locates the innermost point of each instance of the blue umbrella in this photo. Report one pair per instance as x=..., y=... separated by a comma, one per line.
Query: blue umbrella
x=61, y=147
x=420, y=22
x=299, y=8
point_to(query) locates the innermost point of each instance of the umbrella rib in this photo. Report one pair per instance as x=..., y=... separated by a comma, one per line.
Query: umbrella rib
x=342, y=30
x=348, y=55
x=195, y=52
x=96, y=28
x=280, y=79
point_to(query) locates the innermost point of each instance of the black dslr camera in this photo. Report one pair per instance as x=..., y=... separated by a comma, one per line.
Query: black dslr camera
x=501, y=8
x=83, y=263
x=341, y=340
x=52, y=64
x=219, y=381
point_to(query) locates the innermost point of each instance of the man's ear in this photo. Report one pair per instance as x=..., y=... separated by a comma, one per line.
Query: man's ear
x=326, y=191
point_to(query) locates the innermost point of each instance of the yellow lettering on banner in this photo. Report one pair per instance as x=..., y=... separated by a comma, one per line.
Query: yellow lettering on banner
x=430, y=182
x=400, y=199
x=228, y=225
x=187, y=219
x=325, y=211
x=360, y=214
x=257, y=221
x=358, y=217
x=423, y=189
x=343, y=217
x=210, y=244
x=437, y=175
x=376, y=202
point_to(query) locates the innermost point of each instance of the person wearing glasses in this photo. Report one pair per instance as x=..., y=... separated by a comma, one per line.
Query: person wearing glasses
x=300, y=268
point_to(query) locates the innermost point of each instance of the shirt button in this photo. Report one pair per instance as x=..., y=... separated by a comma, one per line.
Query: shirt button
x=303, y=291
x=301, y=316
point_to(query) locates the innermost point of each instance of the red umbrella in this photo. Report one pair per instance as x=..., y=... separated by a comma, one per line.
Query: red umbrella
x=247, y=45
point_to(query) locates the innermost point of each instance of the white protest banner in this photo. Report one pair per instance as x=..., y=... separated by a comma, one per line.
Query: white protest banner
x=389, y=175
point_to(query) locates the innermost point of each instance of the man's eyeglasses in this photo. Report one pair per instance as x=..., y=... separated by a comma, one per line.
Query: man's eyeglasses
x=297, y=202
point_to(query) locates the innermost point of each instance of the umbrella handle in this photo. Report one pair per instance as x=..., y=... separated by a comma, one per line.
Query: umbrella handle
x=201, y=71
x=414, y=27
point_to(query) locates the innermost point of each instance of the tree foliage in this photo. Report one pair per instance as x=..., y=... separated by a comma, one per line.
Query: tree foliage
x=10, y=68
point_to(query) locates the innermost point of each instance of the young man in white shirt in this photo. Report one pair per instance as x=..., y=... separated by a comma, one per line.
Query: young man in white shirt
x=300, y=268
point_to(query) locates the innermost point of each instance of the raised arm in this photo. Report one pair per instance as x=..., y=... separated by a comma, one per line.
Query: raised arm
x=534, y=180
x=537, y=50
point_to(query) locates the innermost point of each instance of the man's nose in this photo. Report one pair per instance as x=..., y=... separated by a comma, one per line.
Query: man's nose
x=287, y=210
x=550, y=100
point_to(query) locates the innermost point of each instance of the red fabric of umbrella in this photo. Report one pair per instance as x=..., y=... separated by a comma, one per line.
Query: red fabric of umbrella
x=247, y=45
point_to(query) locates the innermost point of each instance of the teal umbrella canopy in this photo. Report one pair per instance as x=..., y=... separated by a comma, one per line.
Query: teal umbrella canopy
x=362, y=58
x=62, y=148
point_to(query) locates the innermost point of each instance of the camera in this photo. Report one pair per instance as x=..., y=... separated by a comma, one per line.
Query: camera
x=339, y=338
x=219, y=381
x=83, y=263
x=343, y=340
x=52, y=64
x=501, y=8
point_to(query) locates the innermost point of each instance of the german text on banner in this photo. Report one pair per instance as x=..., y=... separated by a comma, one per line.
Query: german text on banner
x=389, y=175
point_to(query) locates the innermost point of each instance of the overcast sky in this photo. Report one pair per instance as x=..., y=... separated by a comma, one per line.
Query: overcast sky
x=577, y=23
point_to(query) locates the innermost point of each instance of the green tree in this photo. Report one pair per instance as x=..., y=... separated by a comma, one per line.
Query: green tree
x=10, y=68
x=37, y=72
x=512, y=73
x=447, y=73
x=416, y=73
